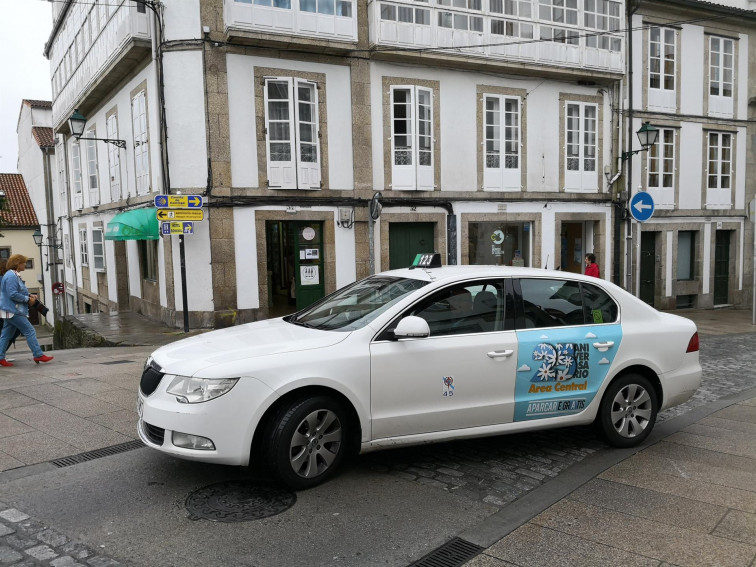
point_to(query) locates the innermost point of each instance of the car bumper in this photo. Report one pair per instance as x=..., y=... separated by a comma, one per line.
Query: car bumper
x=229, y=421
x=680, y=384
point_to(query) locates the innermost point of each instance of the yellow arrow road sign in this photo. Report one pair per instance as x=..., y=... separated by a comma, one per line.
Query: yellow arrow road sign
x=180, y=214
x=178, y=201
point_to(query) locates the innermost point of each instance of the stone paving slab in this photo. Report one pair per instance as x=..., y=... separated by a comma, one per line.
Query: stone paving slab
x=35, y=447
x=532, y=546
x=648, y=538
x=68, y=400
x=643, y=503
x=739, y=526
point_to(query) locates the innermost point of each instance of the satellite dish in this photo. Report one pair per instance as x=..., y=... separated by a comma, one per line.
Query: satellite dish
x=375, y=206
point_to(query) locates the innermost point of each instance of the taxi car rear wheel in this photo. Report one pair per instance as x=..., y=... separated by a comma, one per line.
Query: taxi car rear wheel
x=628, y=411
x=307, y=441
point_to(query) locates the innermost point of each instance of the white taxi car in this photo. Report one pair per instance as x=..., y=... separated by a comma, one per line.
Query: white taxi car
x=414, y=356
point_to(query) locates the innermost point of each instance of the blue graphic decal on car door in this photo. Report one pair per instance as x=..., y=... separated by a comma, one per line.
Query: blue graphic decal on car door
x=559, y=370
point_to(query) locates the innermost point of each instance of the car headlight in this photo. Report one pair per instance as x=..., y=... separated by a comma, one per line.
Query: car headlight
x=196, y=390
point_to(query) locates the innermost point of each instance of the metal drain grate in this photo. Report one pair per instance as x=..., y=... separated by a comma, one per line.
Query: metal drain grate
x=453, y=553
x=116, y=362
x=92, y=455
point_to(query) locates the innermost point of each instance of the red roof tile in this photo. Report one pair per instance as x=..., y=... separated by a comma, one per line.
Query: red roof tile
x=44, y=136
x=37, y=103
x=19, y=211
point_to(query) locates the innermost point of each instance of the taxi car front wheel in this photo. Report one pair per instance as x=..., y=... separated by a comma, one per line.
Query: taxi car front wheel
x=628, y=411
x=306, y=441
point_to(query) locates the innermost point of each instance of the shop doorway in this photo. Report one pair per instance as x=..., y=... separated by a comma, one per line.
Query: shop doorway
x=722, y=267
x=406, y=240
x=648, y=267
x=296, y=274
x=573, y=247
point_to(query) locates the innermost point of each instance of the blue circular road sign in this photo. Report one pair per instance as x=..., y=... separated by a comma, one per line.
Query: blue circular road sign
x=642, y=206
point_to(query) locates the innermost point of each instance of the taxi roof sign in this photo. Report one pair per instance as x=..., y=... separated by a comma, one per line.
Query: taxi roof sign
x=427, y=260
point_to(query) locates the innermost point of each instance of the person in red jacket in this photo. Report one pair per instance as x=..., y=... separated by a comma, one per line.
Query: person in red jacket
x=591, y=267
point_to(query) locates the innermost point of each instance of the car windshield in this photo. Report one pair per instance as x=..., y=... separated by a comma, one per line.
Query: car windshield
x=356, y=305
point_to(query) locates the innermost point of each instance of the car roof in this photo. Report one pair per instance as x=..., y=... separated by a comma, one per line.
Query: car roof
x=453, y=273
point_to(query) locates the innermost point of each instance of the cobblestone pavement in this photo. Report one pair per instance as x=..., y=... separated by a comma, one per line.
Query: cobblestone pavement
x=495, y=470
x=498, y=470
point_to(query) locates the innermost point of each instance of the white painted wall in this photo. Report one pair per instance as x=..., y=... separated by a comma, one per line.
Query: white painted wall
x=459, y=104
x=182, y=20
x=691, y=59
x=185, y=113
x=135, y=273
x=741, y=112
x=691, y=170
x=199, y=279
x=241, y=101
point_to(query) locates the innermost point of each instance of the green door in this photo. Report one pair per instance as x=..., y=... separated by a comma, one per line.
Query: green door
x=308, y=262
x=406, y=240
x=722, y=267
x=648, y=267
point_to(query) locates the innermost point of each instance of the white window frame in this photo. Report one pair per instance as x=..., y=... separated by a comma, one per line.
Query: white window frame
x=406, y=171
x=502, y=142
x=661, y=169
x=597, y=15
x=83, y=247
x=719, y=168
x=559, y=11
x=141, y=142
x=296, y=172
x=721, y=102
x=578, y=173
x=114, y=158
x=93, y=178
x=98, y=240
x=76, y=180
x=664, y=95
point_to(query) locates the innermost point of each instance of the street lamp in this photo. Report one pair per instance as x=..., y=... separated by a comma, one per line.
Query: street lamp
x=647, y=136
x=76, y=123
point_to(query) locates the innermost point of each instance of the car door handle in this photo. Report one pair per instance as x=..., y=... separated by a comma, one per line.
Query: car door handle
x=603, y=347
x=499, y=353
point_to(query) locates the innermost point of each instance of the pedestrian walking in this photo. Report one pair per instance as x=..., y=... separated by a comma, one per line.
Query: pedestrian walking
x=15, y=301
x=591, y=267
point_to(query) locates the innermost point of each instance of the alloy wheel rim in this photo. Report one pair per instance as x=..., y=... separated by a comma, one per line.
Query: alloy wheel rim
x=631, y=411
x=315, y=444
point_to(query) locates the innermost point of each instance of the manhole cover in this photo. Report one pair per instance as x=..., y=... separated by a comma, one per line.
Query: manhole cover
x=238, y=501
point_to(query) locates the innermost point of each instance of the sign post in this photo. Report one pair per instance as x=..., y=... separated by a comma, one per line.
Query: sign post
x=177, y=214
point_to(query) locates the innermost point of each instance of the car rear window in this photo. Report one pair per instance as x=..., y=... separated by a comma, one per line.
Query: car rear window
x=559, y=303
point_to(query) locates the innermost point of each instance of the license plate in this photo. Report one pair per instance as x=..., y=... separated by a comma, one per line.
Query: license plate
x=140, y=407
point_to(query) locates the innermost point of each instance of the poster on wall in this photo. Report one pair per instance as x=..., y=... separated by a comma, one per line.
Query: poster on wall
x=309, y=275
x=312, y=253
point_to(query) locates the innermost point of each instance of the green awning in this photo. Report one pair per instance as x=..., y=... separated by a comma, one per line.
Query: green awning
x=136, y=224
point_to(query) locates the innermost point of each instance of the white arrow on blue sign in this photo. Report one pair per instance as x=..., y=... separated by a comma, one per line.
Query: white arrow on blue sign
x=642, y=206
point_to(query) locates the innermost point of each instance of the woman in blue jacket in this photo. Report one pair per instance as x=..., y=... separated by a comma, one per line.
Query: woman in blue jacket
x=15, y=300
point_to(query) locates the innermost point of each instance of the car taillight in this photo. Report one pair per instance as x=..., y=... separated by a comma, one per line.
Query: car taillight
x=693, y=344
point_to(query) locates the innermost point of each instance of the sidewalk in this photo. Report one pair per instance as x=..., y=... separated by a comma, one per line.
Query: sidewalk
x=688, y=499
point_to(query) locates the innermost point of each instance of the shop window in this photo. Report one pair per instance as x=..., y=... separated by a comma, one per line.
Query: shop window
x=686, y=257
x=501, y=244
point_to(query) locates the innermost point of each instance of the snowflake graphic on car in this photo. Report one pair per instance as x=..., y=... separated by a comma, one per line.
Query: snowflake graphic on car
x=558, y=362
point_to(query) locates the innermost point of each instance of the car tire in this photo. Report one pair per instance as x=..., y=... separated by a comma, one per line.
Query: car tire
x=306, y=441
x=627, y=413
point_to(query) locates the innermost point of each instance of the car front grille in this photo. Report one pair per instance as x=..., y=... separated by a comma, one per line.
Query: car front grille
x=151, y=377
x=154, y=434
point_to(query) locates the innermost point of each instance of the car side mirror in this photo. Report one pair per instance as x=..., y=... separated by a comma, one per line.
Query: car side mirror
x=412, y=327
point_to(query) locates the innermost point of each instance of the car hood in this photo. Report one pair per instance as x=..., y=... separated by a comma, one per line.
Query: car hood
x=229, y=347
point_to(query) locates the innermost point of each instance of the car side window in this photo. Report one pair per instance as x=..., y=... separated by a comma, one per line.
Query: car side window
x=599, y=307
x=550, y=303
x=471, y=307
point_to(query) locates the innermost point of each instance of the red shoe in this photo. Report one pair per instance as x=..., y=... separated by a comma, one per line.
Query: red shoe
x=4, y=362
x=43, y=358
